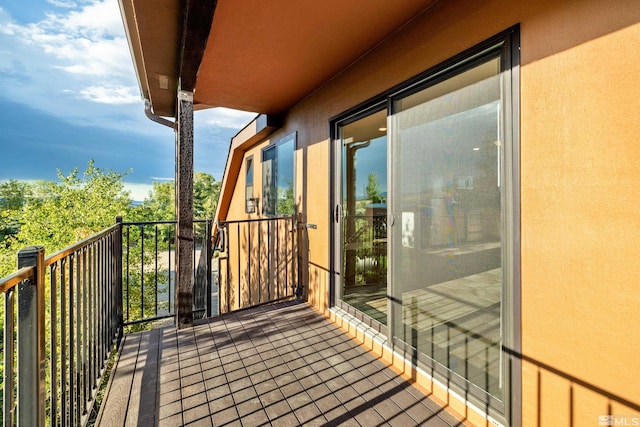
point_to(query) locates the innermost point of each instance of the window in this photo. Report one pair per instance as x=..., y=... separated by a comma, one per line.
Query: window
x=278, y=178
x=250, y=201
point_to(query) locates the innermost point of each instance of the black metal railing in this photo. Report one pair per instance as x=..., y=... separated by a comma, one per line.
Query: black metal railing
x=10, y=286
x=65, y=329
x=85, y=323
x=149, y=271
x=64, y=315
x=258, y=262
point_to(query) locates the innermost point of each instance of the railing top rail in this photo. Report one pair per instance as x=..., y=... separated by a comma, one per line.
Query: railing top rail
x=273, y=218
x=172, y=221
x=51, y=259
x=12, y=280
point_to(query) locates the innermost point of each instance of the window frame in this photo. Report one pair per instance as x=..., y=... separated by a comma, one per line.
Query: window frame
x=250, y=201
x=268, y=210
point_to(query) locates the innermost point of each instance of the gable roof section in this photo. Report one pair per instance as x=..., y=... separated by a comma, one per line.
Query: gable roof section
x=259, y=129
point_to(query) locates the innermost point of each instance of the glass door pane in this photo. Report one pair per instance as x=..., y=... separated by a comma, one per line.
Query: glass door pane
x=446, y=241
x=364, y=215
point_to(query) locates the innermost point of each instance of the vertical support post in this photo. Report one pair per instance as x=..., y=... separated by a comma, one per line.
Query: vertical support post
x=31, y=340
x=184, y=210
x=208, y=247
x=117, y=280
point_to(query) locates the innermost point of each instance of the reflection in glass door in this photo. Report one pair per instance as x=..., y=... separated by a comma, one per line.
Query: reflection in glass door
x=364, y=215
x=447, y=239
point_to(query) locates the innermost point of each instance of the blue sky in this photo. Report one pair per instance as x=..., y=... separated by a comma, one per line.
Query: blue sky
x=69, y=94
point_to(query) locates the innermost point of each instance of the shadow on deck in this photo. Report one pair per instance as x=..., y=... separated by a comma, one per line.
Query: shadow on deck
x=281, y=364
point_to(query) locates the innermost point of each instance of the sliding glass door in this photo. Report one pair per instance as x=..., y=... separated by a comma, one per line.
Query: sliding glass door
x=363, y=224
x=446, y=201
x=426, y=220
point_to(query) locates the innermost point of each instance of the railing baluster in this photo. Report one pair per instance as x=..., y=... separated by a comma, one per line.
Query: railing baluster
x=239, y=281
x=278, y=266
x=53, y=344
x=78, y=342
x=169, y=240
x=207, y=243
x=9, y=353
x=228, y=267
x=142, y=270
x=249, y=249
x=269, y=259
x=128, y=265
x=259, y=263
x=104, y=306
x=72, y=329
x=85, y=342
x=63, y=343
x=156, y=270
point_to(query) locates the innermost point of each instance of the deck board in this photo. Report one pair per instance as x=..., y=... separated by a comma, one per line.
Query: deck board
x=116, y=402
x=280, y=365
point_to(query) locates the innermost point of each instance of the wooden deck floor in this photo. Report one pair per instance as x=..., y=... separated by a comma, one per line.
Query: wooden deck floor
x=280, y=365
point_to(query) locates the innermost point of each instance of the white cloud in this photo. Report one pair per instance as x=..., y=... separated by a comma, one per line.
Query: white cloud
x=62, y=3
x=74, y=64
x=225, y=117
x=111, y=95
x=88, y=41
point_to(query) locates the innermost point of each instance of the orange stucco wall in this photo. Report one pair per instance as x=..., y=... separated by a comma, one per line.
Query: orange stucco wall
x=580, y=171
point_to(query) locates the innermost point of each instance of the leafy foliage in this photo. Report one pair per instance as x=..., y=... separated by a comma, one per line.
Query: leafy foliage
x=373, y=189
x=13, y=196
x=58, y=214
x=160, y=205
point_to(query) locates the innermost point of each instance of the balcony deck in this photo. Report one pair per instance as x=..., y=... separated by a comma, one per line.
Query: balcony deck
x=280, y=364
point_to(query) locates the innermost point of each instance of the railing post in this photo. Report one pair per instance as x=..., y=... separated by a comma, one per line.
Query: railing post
x=117, y=278
x=208, y=248
x=31, y=340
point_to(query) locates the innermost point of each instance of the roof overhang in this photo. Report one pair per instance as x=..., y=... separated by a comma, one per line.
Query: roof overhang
x=252, y=55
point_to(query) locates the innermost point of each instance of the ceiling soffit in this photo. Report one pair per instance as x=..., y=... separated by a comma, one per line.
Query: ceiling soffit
x=259, y=56
x=266, y=56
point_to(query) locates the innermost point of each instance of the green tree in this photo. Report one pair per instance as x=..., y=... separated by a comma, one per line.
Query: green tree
x=373, y=190
x=205, y=195
x=13, y=197
x=74, y=208
x=285, y=202
x=57, y=214
x=160, y=205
